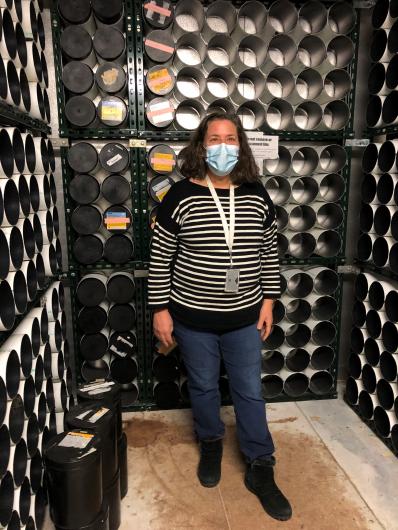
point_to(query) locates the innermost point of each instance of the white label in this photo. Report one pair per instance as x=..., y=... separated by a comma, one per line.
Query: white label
x=113, y=160
x=99, y=391
x=77, y=440
x=264, y=147
x=102, y=384
x=83, y=415
x=95, y=417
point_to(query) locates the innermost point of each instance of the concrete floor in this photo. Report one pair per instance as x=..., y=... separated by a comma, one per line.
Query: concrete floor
x=336, y=473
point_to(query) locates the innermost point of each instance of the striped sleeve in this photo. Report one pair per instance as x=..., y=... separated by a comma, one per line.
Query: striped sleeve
x=270, y=274
x=162, y=252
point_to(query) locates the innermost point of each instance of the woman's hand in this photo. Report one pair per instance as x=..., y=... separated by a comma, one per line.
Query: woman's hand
x=163, y=326
x=265, y=319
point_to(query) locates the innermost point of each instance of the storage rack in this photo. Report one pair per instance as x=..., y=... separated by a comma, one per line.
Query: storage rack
x=138, y=135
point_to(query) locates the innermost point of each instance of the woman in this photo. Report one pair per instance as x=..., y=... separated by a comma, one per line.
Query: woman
x=213, y=276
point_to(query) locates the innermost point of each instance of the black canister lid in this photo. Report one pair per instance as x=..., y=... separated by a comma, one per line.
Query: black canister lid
x=159, y=46
x=89, y=416
x=120, y=288
x=107, y=11
x=84, y=189
x=76, y=43
x=100, y=390
x=160, y=112
x=122, y=317
x=83, y=157
x=123, y=344
x=86, y=219
x=88, y=249
x=77, y=77
x=116, y=189
x=92, y=319
x=110, y=77
x=73, y=447
x=114, y=158
x=109, y=43
x=91, y=290
x=160, y=80
x=118, y=249
x=124, y=370
x=117, y=219
x=80, y=111
x=158, y=13
x=162, y=159
x=93, y=346
x=158, y=187
x=112, y=111
x=74, y=11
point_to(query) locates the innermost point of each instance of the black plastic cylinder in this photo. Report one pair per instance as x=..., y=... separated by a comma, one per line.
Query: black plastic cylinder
x=158, y=13
x=76, y=43
x=114, y=157
x=86, y=219
x=123, y=344
x=111, y=79
x=118, y=249
x=92, y=319
x=112, y=111
x=162, y=159
x=91, y=289
x=80, y=111
x=93, y=346
x=94, y=417
x=107, y=11
x=88, y=249
x=74, y=474
x=123, y=465
x=124, y=370
x=74, y=11
x=113, y=495
x=109, y=44
x=83, y=157
x=166, y=395
x=117, y=219
x=77, y=77
x=122, y=317
x=84, y=189
x=120, y=288
x=116, y=189
x=108, y=393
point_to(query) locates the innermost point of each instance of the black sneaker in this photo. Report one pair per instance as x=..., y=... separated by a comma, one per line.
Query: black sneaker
x=209, y=469
x=259, y=479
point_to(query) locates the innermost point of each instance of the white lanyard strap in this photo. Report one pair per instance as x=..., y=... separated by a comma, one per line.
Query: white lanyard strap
x=229, y=232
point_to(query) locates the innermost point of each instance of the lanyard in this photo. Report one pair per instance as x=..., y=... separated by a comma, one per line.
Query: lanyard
x=229, y=232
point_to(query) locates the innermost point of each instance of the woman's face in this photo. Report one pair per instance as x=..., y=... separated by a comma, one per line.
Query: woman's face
x=221, y=132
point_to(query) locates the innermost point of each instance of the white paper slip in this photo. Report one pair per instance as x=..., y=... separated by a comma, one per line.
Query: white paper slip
x=78, y=440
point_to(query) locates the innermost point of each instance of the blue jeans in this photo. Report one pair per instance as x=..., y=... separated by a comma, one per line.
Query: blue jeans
x=241, y=350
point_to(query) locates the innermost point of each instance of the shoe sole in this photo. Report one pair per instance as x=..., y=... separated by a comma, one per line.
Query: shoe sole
x=273, y=515
x=207, y=484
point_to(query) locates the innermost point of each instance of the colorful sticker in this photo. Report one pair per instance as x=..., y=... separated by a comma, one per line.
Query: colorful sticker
x=78, y=440
x=112, y=110
x=159, y=46
x=98, y=415
x=163, y=162
x=151, y=6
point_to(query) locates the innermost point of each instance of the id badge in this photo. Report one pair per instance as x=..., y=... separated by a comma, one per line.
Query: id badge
x=232, y=281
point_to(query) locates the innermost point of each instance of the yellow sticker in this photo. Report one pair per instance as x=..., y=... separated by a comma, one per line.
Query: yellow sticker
x=112, y=111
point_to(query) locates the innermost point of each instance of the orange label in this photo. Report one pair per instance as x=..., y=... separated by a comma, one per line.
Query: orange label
x=151, y=6
x=159, y=46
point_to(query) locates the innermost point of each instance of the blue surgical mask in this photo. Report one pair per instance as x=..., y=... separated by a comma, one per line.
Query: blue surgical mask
x=222, y=158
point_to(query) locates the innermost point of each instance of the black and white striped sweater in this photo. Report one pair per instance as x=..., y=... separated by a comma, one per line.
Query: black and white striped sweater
x=189, y=256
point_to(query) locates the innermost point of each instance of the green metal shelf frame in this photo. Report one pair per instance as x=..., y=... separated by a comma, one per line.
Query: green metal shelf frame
x=65, y=130
x=370, y=423
x=170, y=134
x=10, y=115
x=370, y=267
x=4, y=335
x=73, y=264
x=139, y=328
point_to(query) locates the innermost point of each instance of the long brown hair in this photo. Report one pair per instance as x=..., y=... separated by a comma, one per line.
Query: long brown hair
x=194, y=154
